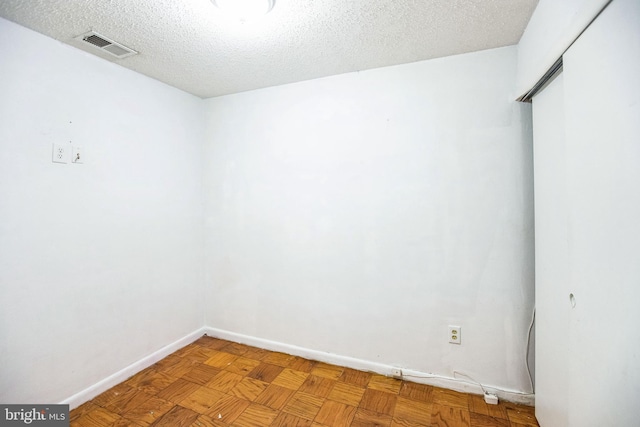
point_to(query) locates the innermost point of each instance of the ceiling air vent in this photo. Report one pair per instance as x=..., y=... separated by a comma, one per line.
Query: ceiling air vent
x=105, y=44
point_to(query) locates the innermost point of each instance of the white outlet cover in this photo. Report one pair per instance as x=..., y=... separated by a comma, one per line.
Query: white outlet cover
x=455, y=334
x=60, y=153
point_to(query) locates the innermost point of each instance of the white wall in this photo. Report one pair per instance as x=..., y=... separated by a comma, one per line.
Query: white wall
x=100, y=263
x=356, y=215
x=361, y=214
x=588, y=244
x=553, y=284
x=603, y=173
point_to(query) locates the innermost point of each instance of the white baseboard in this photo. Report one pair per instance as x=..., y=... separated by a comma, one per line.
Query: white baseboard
x=335, y=359
x=123, y=374
x=365, y=365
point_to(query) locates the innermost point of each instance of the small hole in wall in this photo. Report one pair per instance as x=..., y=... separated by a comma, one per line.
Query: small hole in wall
x=572, y=300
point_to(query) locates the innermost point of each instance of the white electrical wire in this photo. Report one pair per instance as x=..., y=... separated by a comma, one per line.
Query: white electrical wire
x=449, y=379
x=526, y=361
x=442, y=377
x=467, y=376
x=526, y=354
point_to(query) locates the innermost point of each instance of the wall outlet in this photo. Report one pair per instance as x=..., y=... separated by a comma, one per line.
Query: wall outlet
x=60, y=153
x=455, y=334
x=396, y=373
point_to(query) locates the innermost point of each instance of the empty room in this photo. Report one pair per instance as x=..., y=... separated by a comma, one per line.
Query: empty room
x=320, y=213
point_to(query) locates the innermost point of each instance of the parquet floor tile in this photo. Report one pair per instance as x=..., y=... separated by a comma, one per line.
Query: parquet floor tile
x=227, y=409
x=412, y=412
x=399, y=422
x=479, y=406
x=479, y=420
x=179, y=368
x=256, y=416
x=135, y=380
x=255, y=353
x=249, y=389
x=274, y=397
x=212, y=343
x=106, y=397
x=325, y=370
x=279, y=359
x=242, y=366
x=382, y=383
x=265, y=372
x=169, y=360
x=178, y=390
x=219, y=383
x=288, y=420
x=302, y=365
x=335, y=414
x=449, y=416
x=201, y=399
x=290, y=379
x=206, y=421
x=450, y=398
x=317, y=385
x=379, y=401
x=221, y=359
x=177, y=416
x=365, y=418
x=235, y=348
x=198, y=354
x=346, y=393
x=304, y=405
x=357, y=378
x=98, y=417
x=82, y=410
x=225, y=381
x=420, y=392
x=149, y=411
x=155, y=381
x=201, y=374
x=186, y=349
x=522, y=415
x=127, y=401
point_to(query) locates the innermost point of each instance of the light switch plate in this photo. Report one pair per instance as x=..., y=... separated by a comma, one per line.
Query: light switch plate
x=77, y=154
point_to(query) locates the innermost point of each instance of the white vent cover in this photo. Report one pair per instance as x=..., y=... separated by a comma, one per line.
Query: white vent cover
x=105, y=44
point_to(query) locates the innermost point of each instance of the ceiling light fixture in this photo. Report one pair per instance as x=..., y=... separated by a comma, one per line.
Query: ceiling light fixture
x=245, y=10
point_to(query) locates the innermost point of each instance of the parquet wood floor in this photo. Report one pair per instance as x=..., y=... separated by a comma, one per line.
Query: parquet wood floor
x=214, y=382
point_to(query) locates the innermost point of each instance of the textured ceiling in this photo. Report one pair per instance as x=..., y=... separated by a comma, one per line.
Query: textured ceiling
x=189, y=45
